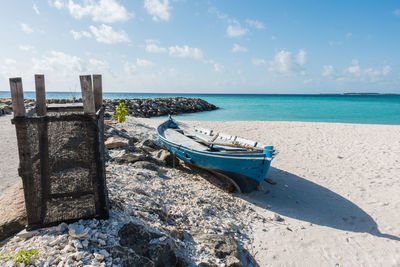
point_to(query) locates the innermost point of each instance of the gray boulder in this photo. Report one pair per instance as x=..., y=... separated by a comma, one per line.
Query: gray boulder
x=150, y=248
x=145, y=165
x=222, y=246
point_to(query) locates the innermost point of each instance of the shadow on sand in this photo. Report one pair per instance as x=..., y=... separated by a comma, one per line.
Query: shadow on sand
x=301, y=199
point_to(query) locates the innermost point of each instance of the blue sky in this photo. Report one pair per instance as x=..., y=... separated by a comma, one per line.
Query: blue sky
x=204, y=46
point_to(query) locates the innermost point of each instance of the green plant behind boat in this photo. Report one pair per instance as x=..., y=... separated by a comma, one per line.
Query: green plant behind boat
x=23, y=256
x=120, y=112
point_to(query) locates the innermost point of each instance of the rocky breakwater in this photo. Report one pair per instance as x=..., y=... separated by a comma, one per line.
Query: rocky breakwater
x=5, y=106
x=152, y=107
x=142, y=108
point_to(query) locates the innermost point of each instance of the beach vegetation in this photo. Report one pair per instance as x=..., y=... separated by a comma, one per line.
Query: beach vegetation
x=120, y=112
x=22, y=256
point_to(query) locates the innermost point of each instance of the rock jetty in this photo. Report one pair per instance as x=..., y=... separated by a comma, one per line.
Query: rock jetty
x=142, y=108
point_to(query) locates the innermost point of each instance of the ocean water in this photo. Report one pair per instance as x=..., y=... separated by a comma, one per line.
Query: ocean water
x=366, y=109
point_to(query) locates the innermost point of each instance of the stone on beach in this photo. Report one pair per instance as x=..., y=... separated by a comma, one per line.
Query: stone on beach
x=115, y=142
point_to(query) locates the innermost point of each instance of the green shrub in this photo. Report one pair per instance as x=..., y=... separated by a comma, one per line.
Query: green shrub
x=23, y=256
x=120, y=112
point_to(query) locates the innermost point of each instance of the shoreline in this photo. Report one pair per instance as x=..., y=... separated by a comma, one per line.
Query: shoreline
x=336, y=194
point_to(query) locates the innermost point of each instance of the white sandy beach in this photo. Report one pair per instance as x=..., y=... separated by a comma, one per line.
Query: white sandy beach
x=337, y=191
x=8, y=154
x=337, y=188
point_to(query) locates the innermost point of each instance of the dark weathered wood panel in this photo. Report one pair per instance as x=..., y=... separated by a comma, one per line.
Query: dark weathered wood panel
x=98, y=91
x=17, y=96
x=40, y=95
x=87, y=94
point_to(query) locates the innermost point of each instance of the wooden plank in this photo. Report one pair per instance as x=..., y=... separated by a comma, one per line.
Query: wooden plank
x=180, y=139
x=98, y=91
x=87, y=94
x=17, y=95
x=41, y=109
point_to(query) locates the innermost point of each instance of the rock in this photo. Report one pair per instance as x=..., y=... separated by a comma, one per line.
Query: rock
x=77, y=231
x=222, y=246
x=126, y=157
x=145, y=165
x=158, y=249
x=12, y=212
x=116, y=141
x=206, y=264
x=232, y=261
x=163, y=156
x=278, y=218
x=178, y=234
x=26, y=234
x=129, y=258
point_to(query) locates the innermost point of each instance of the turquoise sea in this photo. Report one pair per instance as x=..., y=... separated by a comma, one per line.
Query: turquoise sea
x=367, y=109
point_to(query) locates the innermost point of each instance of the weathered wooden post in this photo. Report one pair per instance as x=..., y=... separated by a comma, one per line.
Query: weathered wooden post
x=25, y=166
x=87, y=94
x=17, y=95
x=41, y=108
x=98, y=91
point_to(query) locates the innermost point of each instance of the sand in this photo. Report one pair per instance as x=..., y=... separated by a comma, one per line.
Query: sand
x=9, y=159
x=337, y=191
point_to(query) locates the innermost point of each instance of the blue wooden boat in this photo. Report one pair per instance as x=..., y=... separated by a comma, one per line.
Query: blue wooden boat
x=243, y=162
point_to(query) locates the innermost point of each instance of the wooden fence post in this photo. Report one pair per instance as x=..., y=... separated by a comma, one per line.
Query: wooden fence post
x=98, y=91
x=17, y=95
x=41, y=108
x=87, y=94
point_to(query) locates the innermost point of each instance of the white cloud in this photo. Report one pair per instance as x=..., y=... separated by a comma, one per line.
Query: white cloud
x=78, y=35
x=273, y=38
x=285, y=63
x=152, y=47
x=144, y=63
x=57, y=4
x=158, y=9
x=301, y=57
x=307, y=81
x=214, y=10
x=328, y=71
x=108, y=11
x=237, y=48
x=130, y=68
x=355, y=73
x=396, y=12
x=36, y=9
x=236, y=30
x=386, y=70
x=106, y=34
x=27, y=48
x=349, y=35
x=10, y=61
x=255, y=24
x=258, y=61
x=59, y=62
x=185, y=51
x=374, y=75
x=218, y=67
x=26, y=28
x=98, y=66
x=354, y=68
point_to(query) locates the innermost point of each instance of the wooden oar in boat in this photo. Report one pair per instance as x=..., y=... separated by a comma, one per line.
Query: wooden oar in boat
x=230, y=145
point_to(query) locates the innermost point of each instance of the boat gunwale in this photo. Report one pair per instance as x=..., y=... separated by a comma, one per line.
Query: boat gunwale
x=255, y=156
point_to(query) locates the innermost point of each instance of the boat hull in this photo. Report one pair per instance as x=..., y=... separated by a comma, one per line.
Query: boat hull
x=246, y=170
